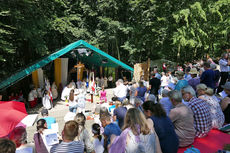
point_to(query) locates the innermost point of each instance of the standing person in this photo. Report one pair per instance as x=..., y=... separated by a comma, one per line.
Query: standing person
x=141, y=90
x=68, y=144
x=158, y=76
x=98, y=142
x=7, y=146
x=49, y=120
x=217, y=76
x=83, y=133
x=181, y=81
x=164, y=80
x=224, y=69
x=217, y=115
x=182, y=119
x=208, y=76
x=136, y=135
x=46, y=101
x=154, y=85
x=195, y=80
x=163, y=126
x=201, y=111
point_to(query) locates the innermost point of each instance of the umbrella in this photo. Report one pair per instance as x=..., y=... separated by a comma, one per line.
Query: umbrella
x=11, y=114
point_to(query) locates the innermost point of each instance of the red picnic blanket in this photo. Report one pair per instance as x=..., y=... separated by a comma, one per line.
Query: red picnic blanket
x=214, y=141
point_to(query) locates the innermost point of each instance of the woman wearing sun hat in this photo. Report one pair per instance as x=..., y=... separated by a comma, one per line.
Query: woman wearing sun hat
x=195, y=80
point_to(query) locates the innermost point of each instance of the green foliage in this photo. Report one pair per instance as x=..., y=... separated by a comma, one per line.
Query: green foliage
x=130, y=30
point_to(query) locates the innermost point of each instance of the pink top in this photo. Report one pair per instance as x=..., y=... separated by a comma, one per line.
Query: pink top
x=103, y=96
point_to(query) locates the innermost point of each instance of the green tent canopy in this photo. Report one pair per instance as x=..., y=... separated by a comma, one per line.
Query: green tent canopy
x=81, y=49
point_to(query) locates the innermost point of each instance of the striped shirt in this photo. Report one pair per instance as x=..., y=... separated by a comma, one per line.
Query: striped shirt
x=202, y=116
x=68, y=147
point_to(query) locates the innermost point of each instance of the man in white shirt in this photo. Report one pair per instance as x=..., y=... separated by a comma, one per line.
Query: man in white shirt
x=224, y=69
x=121, y=90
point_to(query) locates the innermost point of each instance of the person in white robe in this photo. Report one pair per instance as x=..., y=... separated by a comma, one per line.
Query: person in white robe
x=46, y=101
x=65, y=92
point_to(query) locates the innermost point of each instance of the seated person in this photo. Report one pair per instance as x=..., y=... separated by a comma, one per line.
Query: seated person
x=45, y=138
x=109, y=128
x=119, y=114
x=206, y=94
x=165, y=101
x=201, y=111
x=103, y=97
x=98, y=140
x=68, y=144
x=83, y=134
x=49, y=120
x=7, y=146
x=163, y=126
x=182, y=119
x=225, y=104
x=19, y=137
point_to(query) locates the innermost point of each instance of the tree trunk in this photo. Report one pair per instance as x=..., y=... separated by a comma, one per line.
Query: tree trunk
x=118, y=51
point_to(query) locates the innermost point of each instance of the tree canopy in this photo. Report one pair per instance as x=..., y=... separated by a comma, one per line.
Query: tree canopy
x=130, y=30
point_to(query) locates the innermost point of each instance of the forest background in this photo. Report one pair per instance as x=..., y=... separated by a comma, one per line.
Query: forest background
x=129, y=30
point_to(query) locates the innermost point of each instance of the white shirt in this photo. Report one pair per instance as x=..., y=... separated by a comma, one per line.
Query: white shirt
x=120, y=91
x=65, y=93
x=164, y=81
x=31, y=96
x=223, y=65
x=98, y=145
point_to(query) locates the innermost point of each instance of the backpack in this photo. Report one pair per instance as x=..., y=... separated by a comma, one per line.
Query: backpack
x=192, y=150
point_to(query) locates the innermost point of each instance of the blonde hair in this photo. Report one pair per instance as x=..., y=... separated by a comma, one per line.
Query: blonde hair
x=133, y=118
x=207, y=90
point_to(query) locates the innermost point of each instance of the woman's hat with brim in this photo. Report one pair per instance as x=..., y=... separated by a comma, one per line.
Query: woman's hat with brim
x=226, y=85
x=193, y=71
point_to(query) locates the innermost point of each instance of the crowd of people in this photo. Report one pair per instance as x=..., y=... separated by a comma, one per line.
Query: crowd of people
x=160, y=115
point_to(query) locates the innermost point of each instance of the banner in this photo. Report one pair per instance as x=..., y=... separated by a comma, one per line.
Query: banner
x=61, y=71
x=37, y=77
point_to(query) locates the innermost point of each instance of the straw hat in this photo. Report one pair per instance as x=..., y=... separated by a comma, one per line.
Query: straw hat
x=226, y=85
x=193, y=71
